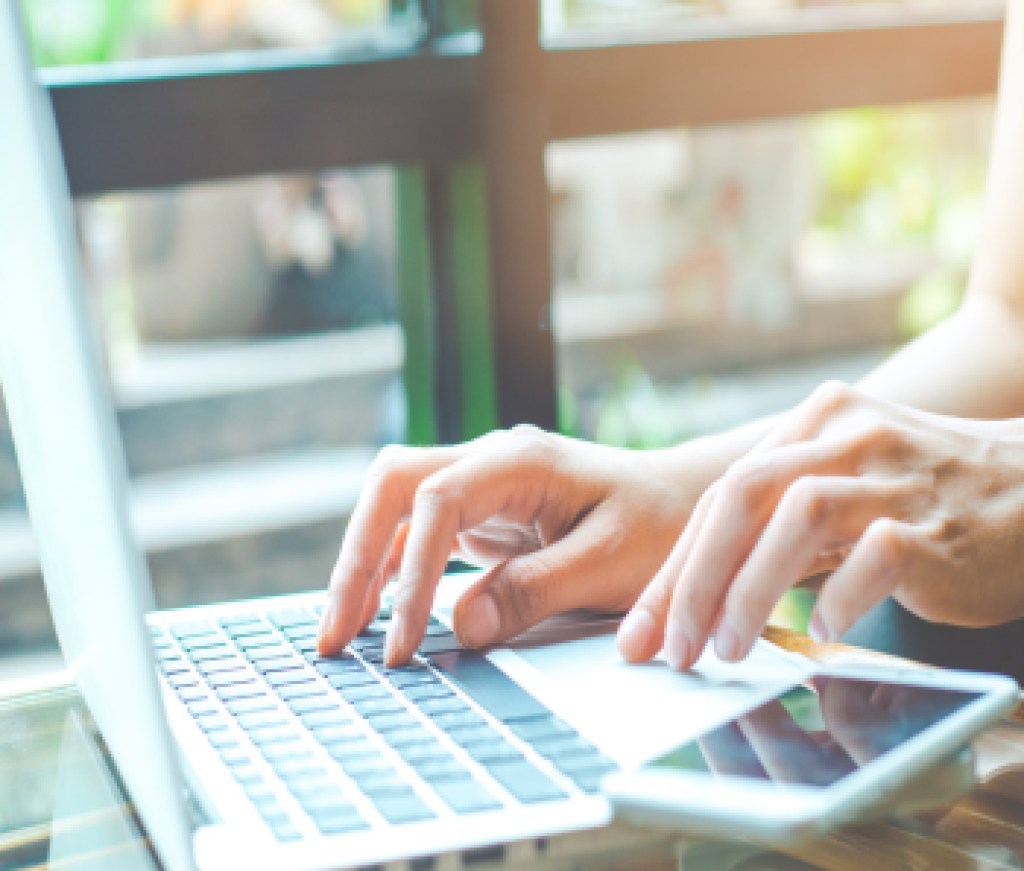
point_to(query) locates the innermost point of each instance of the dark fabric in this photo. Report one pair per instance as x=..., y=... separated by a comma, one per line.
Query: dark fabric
x=892, y=629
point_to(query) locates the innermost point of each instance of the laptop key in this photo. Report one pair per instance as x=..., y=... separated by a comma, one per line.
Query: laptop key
x=465, y=796
x=407, y=736
x=535, y=728
x=240, y=619
x=525, y=781
x=341, y=665
x=315, y=704
x=190, y=628
x=369, y=707
x=366, y=763
x=200, y=642
x=301, y=633
x=497, y=751
x=235, y=677
x=288, y=677
x=203, y=708
x=273, y=735
x=564, y=746
x=458, y=720
x=488, y=685
x=326, y=716
x=262, y=652
x=405, y=807
x=222, y=666
x=246, y=774
x=413, y=678
x=452, y=705
x=589, y=778
x=338, y=734
x=286, y=662
x=300, y=691
x=287, y=750
x=423, y=691
x=261, y=720
x=417, y=754
x=448, y=768
x=347, y=679
x=382, y=783
x=221, y=740
x=251, y=705
x=335, y=822
x=282, y=618
x=235, y=756
x=209, y=653
x=359, y=693
x=247, y=630
x=236, y=692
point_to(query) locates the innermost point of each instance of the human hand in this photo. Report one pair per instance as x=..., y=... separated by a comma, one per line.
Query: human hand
x=896, y=501
x=562, y=523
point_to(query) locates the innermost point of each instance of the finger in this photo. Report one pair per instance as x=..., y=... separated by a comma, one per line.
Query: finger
x=508, y=481
x=815, y=515
x=387, y=572
x=494, y=542
x=524, y=590
x=875, y=566
x=642, y=631
x=385, y=502
x=745, y=499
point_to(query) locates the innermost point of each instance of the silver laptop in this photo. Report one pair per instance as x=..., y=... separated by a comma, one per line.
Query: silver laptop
x=295, y=761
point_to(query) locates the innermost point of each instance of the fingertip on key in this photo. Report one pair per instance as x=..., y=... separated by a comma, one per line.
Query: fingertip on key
x=394, y=642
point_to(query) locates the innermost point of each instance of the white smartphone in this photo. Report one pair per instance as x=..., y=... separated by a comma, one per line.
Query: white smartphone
x=822, y=753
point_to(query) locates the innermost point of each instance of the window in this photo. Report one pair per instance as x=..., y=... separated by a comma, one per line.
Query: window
x=501, y=156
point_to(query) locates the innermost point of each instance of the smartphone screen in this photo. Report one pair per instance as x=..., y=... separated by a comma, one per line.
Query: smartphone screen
x=816, y=735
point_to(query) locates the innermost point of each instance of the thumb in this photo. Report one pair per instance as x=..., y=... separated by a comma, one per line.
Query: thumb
x=509, y=599
x=591, y=567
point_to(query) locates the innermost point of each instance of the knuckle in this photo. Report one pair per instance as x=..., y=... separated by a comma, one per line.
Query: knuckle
x=433, y=494
x=746, y=483
x=809, y=503
x=530, y=442
x=389, y=466
x=830, y=398
x=888, y=546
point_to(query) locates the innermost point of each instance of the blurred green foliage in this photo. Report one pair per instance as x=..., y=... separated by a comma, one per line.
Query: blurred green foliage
x=888, y=176
x=83, y=31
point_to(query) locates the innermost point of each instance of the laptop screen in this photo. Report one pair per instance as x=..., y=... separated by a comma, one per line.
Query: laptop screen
x=69, y=452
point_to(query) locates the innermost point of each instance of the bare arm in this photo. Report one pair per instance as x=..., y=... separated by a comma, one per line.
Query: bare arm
x=973, y=364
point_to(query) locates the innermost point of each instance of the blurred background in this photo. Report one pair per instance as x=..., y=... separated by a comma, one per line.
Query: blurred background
x=702, y=276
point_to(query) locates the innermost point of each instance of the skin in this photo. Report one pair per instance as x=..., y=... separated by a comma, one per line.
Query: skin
x=910, y=484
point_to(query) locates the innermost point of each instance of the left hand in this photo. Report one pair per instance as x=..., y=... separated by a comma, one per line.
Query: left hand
x=895, y=501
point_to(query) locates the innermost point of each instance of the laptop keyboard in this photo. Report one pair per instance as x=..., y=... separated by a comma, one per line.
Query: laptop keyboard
x=346, y=744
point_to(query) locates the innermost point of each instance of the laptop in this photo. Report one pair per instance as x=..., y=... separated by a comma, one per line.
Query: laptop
x=293, y=761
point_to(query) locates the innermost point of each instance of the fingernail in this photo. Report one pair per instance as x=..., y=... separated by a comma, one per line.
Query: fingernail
x=636, y=629
x=727, y=642
x=395, y=640
x=677, y=645
x=480, y=621
x=818, y=629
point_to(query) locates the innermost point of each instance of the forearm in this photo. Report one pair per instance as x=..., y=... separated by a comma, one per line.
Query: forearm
x=971, y=365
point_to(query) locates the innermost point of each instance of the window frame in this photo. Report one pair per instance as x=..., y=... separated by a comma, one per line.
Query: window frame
x=467, y=119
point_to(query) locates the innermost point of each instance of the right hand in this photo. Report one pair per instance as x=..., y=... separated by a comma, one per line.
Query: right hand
x=561, y=523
